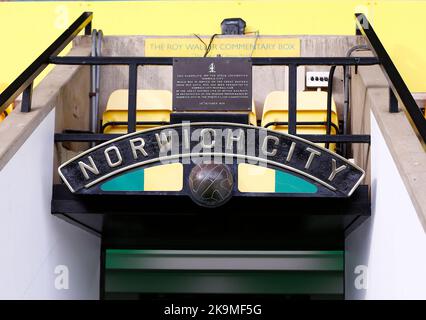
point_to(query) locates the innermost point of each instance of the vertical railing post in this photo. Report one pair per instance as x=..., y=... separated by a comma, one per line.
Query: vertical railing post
x=393, y=102
x=133, y=85
x=88, y=29
x=26, y=98
x=292, y=98
x=329, y=100
x=395, y=79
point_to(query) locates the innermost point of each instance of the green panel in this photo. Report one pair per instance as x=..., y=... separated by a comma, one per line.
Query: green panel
x=288, y=183
x=172, y=271
x=184, y=259
x=224, y=282
x=131, y=181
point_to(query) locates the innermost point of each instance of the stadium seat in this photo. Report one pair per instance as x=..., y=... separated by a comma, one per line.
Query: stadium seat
x=311, y=107
x=153, y=108
x=252, y=114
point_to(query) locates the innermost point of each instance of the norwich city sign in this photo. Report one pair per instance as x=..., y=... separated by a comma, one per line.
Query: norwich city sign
x=200, y=144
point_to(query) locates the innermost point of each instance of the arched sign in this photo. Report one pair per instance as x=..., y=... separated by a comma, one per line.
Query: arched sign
x=260, y=161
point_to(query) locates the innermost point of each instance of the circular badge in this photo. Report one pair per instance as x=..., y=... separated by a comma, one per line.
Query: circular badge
x=211, y=185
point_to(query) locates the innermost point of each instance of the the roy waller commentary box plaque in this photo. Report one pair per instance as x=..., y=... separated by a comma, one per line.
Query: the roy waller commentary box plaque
x=212, y=84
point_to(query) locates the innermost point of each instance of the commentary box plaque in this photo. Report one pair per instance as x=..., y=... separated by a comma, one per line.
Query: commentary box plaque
x=212, y=84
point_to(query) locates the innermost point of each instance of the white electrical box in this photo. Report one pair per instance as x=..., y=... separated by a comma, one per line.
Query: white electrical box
x=317, y=79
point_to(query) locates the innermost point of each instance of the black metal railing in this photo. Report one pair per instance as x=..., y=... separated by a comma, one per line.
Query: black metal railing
x=291, y=62
x=398, y=87
x=24, y=82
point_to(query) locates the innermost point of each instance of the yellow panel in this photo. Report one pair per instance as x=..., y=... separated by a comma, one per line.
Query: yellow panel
x=253, y=178
x=242, y=46
x=404, y=41
x=146, y=100
x=47, y=20
x=167, y=177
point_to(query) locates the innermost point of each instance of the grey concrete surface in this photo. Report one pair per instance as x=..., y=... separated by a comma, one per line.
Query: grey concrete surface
x=64, y=88
x=370, y=92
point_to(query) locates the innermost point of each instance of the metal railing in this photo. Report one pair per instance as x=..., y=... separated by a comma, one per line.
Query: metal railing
x=398, y=87
x=24, y=82
x=292, y=63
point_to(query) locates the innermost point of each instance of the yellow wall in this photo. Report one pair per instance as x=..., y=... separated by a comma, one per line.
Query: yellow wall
x=26, y=28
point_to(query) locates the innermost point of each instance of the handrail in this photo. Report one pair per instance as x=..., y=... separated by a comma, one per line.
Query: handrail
x=257, y=61
x=291, y=62
x=319, y=138
x=398, y=86
x=25, y=80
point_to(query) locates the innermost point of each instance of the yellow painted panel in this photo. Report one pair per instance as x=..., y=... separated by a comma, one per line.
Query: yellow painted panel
x=37, y=24
x=27, y=28
x=402, y=30
x=252, y=178
x=167, y=177
x=145, y=100
x=243, y=46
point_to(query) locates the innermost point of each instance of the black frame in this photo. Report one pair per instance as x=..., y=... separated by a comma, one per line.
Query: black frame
x=74, y=208
x=24, y=83
x=292, y=63
x=399, y=88
x=310, y=223
x=320, y=223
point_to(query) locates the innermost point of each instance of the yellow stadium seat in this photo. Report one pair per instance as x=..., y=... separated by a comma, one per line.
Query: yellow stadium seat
x=152, y=106
x=252, y=115
x=311, y=107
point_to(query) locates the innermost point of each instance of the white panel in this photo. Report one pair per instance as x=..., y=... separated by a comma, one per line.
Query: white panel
x=32, y=241
x=317, y=79
x=393, y=242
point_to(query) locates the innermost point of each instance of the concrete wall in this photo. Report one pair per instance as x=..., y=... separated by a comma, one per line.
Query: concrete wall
x=392, y=243
x=386, y=255
x=65, y=88
x=33, y=243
